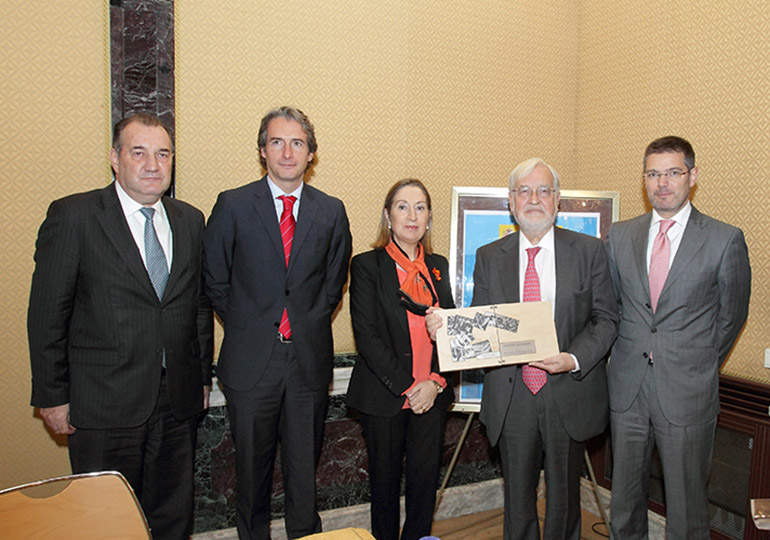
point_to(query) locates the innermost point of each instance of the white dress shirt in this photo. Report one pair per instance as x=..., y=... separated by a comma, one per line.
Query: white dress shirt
x=277, y=192
x=136, y=221
x=674, y=234
x=545, y=264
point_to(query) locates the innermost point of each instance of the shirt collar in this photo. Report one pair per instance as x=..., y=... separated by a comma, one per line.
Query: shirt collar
x=130, y=206
x=680, y=217
x=546, y=242
x=277, y=192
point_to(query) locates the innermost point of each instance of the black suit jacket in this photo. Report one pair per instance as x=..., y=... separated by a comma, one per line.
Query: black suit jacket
x=96, y=328
x=383, y=370
x=248, y=282
x=586, y=319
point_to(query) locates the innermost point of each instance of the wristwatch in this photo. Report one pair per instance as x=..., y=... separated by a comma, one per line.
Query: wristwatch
x=439, y=388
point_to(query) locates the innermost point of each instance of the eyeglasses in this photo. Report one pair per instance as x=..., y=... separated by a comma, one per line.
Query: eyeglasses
x=525, y=192
x=673, y=174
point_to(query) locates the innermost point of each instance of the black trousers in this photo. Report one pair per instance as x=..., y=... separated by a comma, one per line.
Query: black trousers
x=282, y=407
x=415, y=440
x=157, y=459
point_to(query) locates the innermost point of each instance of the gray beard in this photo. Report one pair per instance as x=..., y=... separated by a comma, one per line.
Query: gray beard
x=535, y=229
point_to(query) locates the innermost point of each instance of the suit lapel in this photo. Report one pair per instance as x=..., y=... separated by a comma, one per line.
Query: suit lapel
x=564, y=260
x=181, y=242
x=390, y=285
x=639, y=238
x=114, y=224
x=265, y=208
x=508, y=268
x=305, y=220
x=434, y=276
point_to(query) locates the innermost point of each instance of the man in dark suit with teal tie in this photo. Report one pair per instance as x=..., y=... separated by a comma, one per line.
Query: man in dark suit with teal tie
x=276, y=255
x=120, y=330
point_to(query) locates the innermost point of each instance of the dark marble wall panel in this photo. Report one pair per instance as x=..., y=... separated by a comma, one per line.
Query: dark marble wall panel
x=142, y=58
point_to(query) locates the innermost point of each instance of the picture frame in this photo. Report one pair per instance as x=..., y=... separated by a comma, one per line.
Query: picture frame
x=481, y=215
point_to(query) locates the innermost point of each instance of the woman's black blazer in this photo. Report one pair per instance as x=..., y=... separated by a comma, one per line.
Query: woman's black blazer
x=383, y=370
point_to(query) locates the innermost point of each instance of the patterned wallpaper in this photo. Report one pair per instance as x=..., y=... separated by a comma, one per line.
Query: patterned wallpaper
x=452, y=92
x=54, y=112
x=700, y=70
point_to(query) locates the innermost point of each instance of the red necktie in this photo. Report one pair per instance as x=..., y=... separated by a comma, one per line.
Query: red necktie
x=661, y=254
x=287, y=235
x=534, y=378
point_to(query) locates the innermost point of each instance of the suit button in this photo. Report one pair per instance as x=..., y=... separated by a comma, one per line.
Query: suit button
x=510, y=379
x=653, y=329
x=286, y=292
x=648, y=305
x=645, y=354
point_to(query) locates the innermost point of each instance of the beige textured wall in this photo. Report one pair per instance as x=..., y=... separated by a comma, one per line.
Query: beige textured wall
x=54, y=111
x=451, y=92
x=700, y=70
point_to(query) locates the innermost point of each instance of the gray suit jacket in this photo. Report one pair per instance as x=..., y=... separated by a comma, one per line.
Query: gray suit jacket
x=249, y=285
x=701, y=310
x=97, y=330
x=586, y=321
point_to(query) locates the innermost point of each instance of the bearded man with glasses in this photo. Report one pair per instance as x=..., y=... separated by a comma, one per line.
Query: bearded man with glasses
x=540, y=414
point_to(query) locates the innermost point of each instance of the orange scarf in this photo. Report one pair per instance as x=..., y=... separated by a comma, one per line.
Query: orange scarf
x=416, y=291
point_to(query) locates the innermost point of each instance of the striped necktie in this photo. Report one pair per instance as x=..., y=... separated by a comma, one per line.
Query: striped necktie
x=287, y=236
x=534, y=378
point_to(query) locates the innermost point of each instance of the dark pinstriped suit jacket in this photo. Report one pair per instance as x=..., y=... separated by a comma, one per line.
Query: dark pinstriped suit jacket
x=96, y=328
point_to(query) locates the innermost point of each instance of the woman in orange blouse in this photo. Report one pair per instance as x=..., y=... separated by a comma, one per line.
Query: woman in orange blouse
x=395, y=383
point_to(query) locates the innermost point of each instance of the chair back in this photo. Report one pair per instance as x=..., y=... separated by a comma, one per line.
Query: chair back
x=97, y=505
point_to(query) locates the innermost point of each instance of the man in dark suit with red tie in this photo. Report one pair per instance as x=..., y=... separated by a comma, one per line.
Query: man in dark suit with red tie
x=276, y=255
x=120, y=330
x=541, y=414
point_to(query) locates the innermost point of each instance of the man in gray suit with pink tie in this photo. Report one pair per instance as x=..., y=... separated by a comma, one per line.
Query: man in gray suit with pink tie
x=682, y=281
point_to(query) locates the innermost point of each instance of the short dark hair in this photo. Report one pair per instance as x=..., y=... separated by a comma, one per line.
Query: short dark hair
x=673, y=144
x=144, y=119
x=290, y=113
x=383, y=231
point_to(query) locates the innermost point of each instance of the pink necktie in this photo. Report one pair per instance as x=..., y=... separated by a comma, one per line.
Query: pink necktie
x=534, y=378
x=287, y=235
x=661, y=253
